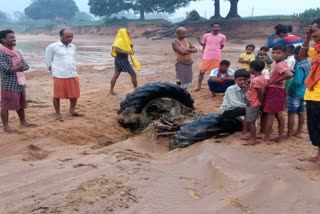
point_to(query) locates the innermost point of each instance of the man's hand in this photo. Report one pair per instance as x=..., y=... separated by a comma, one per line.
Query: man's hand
x=308, y=33
x=17, y=68
x=131, y=53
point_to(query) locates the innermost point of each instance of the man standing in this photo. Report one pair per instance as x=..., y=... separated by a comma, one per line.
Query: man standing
x=60, y=59
x=13, y=94
x=213, y=43
x=183, y=50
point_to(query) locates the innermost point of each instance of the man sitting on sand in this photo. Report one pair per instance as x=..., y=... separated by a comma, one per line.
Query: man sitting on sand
x=234, y=101
x=221, y=78
x=13, y=83
x=60, y=59
x=183, y=50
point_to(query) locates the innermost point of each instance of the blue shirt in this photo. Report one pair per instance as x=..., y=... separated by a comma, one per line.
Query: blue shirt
x=297, y=86
x=288, y=40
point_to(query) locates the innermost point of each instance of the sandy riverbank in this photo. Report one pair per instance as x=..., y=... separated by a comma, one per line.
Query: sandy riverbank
x=91, y=165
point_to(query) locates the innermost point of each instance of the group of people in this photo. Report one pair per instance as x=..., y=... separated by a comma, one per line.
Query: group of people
x=264, y=87
x=255, y=88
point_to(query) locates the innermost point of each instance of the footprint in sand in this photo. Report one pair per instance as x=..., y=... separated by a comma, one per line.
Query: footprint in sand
x=193, y=194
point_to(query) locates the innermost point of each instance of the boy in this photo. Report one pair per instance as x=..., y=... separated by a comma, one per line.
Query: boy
x=247, y=57
x=291, y=63
x=296, y=92
x=275, y=96
x=221, y=78
x=234, y=101
x=263, y=55
x=255, y=98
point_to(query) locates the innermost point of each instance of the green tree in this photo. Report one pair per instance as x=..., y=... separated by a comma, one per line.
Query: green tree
x=233, y=12
x=309, y=14
x=51, y=9
x=109, y=7
x=4, y=17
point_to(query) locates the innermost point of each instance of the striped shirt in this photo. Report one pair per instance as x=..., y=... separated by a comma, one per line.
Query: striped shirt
x=9, y=80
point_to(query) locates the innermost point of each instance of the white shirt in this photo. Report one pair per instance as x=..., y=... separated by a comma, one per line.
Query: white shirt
x=61, y=60
x=234, y=97
x=214, y=73
x=291, y=62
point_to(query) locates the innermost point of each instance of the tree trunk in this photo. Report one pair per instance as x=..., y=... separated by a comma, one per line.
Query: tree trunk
x=217, y=9
x=142, y=15
x=233, y=13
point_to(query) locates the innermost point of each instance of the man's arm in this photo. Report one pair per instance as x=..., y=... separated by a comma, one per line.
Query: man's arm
x=287, y=74
x=305, y=46
x=229, y=78
x=192, y=49
x=179, y=49
x=24, y=64
x=119, y=51
x=49, y=56
x=7, y=67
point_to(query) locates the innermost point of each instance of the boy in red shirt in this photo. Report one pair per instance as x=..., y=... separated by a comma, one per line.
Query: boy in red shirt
x=275, y=97
x=255, y=98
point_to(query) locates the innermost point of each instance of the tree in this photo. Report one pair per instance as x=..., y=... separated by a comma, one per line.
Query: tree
x=309, y=14
x=21, y=18
x=4, y=17
x=82, y=16
x=109, y=7
x=233, y=12
x=217, y=9
x=52, y=9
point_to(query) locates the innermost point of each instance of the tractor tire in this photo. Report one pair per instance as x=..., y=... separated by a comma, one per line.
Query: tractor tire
x=204, y=128
x=152, y=98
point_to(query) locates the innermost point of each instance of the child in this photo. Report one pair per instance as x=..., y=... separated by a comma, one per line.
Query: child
x=291, y=63
x=263, y=55
x=296, y=92
x=234, y=101
x=275, y=96
x=255, y=97
x=247, y=57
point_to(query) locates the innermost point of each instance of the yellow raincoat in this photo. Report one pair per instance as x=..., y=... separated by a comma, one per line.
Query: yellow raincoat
x=123, y=42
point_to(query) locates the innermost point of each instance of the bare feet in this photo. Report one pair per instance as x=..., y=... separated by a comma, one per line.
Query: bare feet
x=29, y=125
x=213, y=94
x=245, y=137
x=59, y=117
x=251, y=142
x=112, y=93
x=10, y=130
x=197, y=89
x=277, y=139
x=298, y=135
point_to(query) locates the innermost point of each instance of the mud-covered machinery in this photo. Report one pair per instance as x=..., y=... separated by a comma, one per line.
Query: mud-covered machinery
x=170, y=110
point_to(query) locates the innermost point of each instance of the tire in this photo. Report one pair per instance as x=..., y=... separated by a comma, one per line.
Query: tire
x=203, y=128
x=133, y=109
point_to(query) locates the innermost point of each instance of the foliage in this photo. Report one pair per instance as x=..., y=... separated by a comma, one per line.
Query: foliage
x=52, y=9
x=109, y=7
x=271, y=17
x=4, y=17
x=193, y=16
x=82, y=16
x=309, y=14
x=21, y=18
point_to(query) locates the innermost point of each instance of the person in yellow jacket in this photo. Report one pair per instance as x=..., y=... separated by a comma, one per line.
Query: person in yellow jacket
x=122, y=48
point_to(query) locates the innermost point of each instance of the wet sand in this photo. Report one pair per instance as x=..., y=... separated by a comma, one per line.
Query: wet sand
x=91, y=165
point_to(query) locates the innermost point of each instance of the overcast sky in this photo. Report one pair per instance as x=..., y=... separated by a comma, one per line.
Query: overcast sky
x=204, y=7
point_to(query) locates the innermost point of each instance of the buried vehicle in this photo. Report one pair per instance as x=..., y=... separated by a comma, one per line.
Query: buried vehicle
x=170, y=109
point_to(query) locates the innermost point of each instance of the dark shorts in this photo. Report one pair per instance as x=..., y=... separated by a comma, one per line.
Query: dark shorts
x=122, y=64
x=236, y=112
x=252, y=114
x=275, y=100
x=313, y=118
x=13, y=100
x=295, y=105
